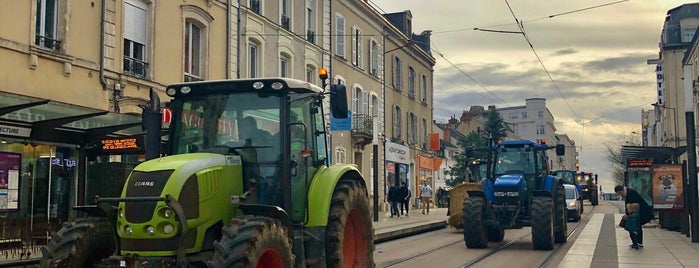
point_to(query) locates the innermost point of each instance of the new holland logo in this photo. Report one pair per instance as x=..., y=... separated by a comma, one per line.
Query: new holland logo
x=144, y=184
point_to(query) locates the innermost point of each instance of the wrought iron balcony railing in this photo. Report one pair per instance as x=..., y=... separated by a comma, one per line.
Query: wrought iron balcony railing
x=47, y=42
x=135, y=67
x=362, y=124
x=286, y=22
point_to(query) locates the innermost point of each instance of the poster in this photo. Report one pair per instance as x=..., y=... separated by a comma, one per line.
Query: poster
x=639, y=179
x=9, y=181
x=667, y=187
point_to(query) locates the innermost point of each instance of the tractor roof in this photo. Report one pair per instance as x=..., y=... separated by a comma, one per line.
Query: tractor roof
x=295, y=85
x=517, y=143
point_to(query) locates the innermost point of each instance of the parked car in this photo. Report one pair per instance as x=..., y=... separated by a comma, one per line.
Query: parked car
x=573, y=203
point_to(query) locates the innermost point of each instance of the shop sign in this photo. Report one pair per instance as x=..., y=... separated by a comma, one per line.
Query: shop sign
x=397, y=153
x=15, y=131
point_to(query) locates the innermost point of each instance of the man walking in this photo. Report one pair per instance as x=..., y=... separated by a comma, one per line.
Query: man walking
x=426, y=194
x=405, y=196
x=646, y=211
x=393, y=199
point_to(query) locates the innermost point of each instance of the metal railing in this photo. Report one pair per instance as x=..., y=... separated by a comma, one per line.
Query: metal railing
x=135, y=67
x=286, y=22
x=47, y=42
x=362, y=124
x=311, y=36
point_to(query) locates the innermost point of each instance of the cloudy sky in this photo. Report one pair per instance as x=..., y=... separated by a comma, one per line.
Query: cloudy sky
x=595, y=52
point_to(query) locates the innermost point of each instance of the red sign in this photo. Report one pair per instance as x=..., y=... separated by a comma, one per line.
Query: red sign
x=434, y=141
x=167, y=115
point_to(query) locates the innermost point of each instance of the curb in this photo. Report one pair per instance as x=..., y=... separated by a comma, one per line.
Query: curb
x=392, y=235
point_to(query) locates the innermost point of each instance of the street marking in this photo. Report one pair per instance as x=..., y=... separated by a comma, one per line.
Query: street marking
x=582, y=251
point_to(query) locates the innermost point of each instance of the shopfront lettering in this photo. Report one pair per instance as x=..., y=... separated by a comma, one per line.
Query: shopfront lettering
x=31, y=115
x=15, y=131
x=67, y=163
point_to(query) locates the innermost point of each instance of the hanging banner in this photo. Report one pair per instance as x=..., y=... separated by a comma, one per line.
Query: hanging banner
x=434, y=141
x=667, y=187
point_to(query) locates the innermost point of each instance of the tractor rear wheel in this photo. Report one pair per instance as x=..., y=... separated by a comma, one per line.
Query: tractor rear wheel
x=561, y=214
x=542, y=222
x=594, y=198
x=474, y=233
x=349, y=236
x=253, y=241
x=82, y=243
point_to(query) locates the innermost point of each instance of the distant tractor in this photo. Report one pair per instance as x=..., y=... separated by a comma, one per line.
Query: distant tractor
x=229, y=193
x=518, y=192
x=588, y=183
x=569, y=177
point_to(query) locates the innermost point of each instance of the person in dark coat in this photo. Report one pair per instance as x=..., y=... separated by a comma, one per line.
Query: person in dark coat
x=404, y=195
x=646, y=211
x=393, y=199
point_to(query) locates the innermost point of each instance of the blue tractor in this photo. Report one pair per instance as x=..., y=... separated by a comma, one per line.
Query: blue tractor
x=569, y=177
x=518, y=191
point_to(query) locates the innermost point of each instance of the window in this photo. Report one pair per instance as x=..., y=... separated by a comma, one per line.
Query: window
x=192, y=52
x=423, y=89
x=284, y=14
x=397, y=73
x=283, y=66
x=253, y=60
x=524, y=115
x=255, y=6
x=513, y=116
x=356, y=100
x=397, y=123
x=310, y=74
x=339, y=35
x=135, y=38
x=339, y=155
x=423, y=138
x=411, y=82
x=374, y=106
x=688, y=34
x=412, y=127
x=374, y=58
x=47, y=24
x=540, y=130
x=357, y=47
x=541, y=114
x=310, y=21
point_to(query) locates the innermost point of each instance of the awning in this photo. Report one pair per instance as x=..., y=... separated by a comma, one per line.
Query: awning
x=35, y=119
x=660, y=155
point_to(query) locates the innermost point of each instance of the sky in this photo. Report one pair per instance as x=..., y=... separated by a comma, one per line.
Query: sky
x=592, y=70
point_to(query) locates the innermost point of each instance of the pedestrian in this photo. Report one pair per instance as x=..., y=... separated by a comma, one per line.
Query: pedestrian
x=632, y=223
x=405, y=196
x=393, y=199
x=645, y=211
x=426, y=194
x=439, y=196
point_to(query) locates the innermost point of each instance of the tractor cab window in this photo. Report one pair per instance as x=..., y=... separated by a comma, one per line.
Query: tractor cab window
x=567, y=177
x=514, y=160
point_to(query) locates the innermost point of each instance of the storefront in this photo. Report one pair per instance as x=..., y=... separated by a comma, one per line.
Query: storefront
x=44, y=159
x=397, y=166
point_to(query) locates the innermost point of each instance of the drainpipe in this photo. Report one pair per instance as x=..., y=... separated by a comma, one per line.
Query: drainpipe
x=237, y=55
x=228, y=39
x=102, y=80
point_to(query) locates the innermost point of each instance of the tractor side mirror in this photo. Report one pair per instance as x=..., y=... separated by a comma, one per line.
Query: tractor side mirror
x=338, y=101
x=560, y=149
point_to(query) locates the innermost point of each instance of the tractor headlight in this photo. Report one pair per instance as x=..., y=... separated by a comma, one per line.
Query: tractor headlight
x=277, y=85
x=150, y=230
x=127, y=230
x=168, y=228
x=121, y=212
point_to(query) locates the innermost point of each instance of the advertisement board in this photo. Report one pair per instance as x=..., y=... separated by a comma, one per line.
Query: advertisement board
x=639, y=179
x=667, y=187
x=9, y=181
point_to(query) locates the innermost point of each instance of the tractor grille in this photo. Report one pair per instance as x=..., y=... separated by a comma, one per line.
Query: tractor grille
x=144, y=184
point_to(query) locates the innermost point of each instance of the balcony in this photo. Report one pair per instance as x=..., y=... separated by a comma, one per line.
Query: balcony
x=192, y=78
x=135, y=67
x=255, y=6
x=47, y=42
x=311, y=36
x=285, y=22
x=362, y=130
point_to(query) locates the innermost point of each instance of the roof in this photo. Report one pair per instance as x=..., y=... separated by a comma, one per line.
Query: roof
x=659, y=155
x=36, y=119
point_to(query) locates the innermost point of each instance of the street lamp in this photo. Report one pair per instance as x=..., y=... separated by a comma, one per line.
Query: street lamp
x=674, y=117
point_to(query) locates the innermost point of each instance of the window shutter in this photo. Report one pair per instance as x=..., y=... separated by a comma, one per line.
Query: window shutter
x=365, y=102
x=135, y=22
x=340, y=32
x=379, y=56
x=359, y=48
x=354, y=46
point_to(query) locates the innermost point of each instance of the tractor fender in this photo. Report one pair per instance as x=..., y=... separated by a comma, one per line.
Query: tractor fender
x=321, y=189
x=274, y=212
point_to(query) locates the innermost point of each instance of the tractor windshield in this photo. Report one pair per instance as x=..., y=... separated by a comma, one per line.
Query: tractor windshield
x=514, y=160
x=568, y=177
x=237, y=120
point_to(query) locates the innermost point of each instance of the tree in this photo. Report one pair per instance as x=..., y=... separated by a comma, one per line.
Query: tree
x=472, y=147
x=616, y=162
x=495, y=126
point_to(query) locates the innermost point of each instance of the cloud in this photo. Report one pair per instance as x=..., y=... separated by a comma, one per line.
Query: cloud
x=562, y=52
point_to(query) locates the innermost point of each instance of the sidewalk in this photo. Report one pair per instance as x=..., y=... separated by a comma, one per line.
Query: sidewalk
x=388, y=228
x=603, y=244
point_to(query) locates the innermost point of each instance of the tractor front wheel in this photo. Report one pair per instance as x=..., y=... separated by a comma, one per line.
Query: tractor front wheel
x=349, y=236
x=474, y=233
x=82, y=243
x=594, y=198
x=542, y=222
x=253, y=241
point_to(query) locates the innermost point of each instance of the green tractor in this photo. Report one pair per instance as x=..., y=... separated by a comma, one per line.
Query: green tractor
x=246, y=183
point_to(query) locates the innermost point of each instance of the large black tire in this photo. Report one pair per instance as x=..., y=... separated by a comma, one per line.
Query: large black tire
x=349, y=236
x=253, y=241
x=542, y=222
x=495, y=233
x=474, y=233
x=82, y=243
x=561, y=215
x=594, y=198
